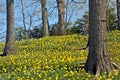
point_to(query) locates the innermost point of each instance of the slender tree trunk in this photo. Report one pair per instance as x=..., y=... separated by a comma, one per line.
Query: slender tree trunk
x=98, y=60
x=28, y=33
x=23, y=16
x=86, y=23
x=44, y=18
x=118, y=13
x=61, y=25
x=10, y=46
x=66, y=14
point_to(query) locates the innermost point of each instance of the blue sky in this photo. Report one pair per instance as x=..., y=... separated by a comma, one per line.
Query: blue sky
x=37, y=17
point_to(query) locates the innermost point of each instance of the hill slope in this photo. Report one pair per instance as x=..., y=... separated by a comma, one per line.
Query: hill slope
x=54, y=57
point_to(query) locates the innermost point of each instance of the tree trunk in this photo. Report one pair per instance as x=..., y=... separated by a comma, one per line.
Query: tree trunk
x=118, y=13
x=10, y=46
x=86, y=22
x=44, y=18
x=23, y=16
x=61, y=25
x=98, y=60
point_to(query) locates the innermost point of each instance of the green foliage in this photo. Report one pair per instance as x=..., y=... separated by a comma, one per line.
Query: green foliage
x=55, y=58
x=19, y=34
x=73, y=30
x=37, y=32
x=77, y=27
x=54, y=29
x=111, y=19
x=82, y=24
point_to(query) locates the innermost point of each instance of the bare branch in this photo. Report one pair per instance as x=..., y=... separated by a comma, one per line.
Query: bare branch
x=2, y=37
x=52, y=10
x=79, y=2
x=3, y=32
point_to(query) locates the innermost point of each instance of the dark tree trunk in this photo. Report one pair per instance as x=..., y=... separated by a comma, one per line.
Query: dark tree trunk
x=44, y=18
x=118, y=13
x=10, y=46
x=98, y=60
x=61, y=12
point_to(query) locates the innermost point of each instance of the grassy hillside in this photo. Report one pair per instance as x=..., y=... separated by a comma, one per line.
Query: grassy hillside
x=55, y=57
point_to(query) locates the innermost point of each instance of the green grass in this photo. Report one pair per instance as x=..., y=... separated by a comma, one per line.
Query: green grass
x=54, y=58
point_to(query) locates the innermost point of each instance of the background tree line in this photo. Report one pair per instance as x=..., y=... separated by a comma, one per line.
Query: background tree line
x=64, y=22
x=28, y=23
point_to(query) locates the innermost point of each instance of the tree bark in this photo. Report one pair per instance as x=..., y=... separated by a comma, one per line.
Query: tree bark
x=10, y=46
x=98, y=60
x=61, y=12
x=44, y=18
x=118, y=13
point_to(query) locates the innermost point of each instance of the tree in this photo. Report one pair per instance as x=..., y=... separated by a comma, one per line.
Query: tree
x=111, y=18
x=23, y=16
x=54, y=29
x=37, y=32
x=86, y=22
x=118, y=13
x=2, y=7
x=61, y=26
x=98, y=60
x=19, y=33
x=44, y=18
x=2, y=12
x=10, y=46
x=77, y=27
x=29, y=14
